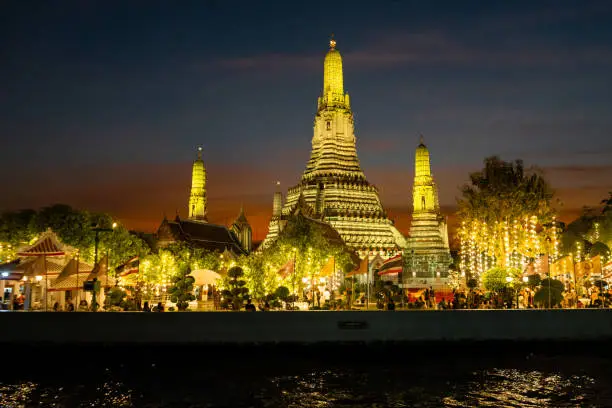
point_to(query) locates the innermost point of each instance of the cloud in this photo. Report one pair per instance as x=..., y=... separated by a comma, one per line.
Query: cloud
x=396, y=48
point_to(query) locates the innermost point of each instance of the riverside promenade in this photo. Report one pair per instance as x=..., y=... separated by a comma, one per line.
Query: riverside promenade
x=137, y=328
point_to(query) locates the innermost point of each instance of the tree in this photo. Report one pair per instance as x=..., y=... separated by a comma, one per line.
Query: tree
x=311, y=243
x=181, y=291
x=115, y=299
x=496, y=279
x=551, y=289
x=16, y=227
x=502, y=211
x=599, y=248
x=74, y=228
x=533, y=281
x=236, y=293
x=260, y=279
x=594, y=228
x=472, y=283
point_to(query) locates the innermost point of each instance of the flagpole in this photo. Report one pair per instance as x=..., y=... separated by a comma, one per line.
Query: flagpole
x=333, y=279
x=78, y=296
x=575, y=280
x=46, y=281
x=106, y=284
x=368, y=286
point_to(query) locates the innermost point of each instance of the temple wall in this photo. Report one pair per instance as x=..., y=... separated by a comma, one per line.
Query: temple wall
x=305, y=327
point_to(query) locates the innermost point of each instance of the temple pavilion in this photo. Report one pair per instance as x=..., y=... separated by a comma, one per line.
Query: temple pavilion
x=49, y=271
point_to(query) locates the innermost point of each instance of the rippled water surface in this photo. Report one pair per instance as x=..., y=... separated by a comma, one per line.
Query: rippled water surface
x=402, y=376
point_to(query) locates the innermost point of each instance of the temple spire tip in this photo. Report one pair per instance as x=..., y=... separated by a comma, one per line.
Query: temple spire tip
x=332, y=42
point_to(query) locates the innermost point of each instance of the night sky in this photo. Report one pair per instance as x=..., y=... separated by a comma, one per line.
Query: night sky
x=104, y=103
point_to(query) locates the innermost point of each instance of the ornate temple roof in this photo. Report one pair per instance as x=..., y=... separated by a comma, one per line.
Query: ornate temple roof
x=242, y=219
x=48, y=245
x=211, y=237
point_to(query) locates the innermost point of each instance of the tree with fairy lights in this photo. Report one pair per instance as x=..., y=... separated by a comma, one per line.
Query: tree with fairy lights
x=181, y=291
x=506, y=218
x=236, y=292
x=307, y=244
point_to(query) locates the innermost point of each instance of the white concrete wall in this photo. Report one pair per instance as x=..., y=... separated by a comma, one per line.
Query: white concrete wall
x=306, y=327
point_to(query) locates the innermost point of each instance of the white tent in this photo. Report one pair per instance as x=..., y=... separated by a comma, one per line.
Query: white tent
x=205, y=277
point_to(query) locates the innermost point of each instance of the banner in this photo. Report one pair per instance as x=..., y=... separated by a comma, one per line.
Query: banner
x=541, y=265
x=127, y=268
x=596, y=268
x=328, y=268
x=562, y=266
x=392, y=265
x=362, y=269
x=286, y=269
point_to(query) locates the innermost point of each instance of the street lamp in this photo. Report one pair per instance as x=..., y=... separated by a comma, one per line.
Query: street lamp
x=97, y=230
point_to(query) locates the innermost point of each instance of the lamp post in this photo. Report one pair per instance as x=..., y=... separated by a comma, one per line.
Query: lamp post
x=293, y=279
x=549, y=275
x=97, y=230
x=509, y=281
x=312, y=277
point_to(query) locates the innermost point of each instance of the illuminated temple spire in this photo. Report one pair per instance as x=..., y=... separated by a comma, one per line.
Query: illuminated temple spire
x=197, y=198
x=424, y=193
x=428, y=230
x=333, y=185
x=333, y=81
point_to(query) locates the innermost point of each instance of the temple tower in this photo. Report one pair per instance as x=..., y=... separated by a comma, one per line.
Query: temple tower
x=242, y=230
x=428, y=241
x=333, y=184
x=197, y=198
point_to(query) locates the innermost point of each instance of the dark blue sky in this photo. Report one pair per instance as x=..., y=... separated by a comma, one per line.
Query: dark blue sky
x=103, y=102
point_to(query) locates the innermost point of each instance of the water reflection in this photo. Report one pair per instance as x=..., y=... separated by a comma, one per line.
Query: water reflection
x=558, y=382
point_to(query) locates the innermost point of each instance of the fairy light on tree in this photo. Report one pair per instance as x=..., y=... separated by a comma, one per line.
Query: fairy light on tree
x=503, y=211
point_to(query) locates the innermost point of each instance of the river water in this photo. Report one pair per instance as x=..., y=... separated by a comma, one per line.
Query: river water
x=439, y=375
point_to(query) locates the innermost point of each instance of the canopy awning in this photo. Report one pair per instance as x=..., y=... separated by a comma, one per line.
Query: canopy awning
x=205, y=276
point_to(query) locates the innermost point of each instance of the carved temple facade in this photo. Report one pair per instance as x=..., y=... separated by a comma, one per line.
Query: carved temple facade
x=333, y=184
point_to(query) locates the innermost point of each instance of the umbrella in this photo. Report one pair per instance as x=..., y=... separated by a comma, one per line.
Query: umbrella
x=205, y=277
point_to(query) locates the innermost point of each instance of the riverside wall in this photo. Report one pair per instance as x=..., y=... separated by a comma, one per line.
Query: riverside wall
x=133, y=328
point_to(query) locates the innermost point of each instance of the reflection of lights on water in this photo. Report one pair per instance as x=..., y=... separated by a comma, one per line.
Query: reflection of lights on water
x=109, y=394
x=363, y=387
x=18, y=395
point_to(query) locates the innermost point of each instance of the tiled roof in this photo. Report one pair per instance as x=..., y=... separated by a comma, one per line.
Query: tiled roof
x=47, y=245
x=75, y=281
x=204, y=235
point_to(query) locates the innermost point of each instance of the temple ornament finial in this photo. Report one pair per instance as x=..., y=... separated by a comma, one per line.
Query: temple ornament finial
x=199, y=152
x=332, y=42
x=422, y=140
